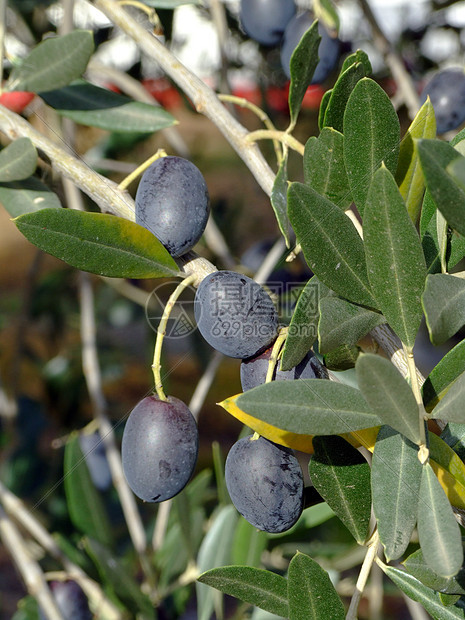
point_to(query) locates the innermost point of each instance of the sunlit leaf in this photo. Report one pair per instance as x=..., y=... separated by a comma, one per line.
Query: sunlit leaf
x=409, y=176
x=98, y=242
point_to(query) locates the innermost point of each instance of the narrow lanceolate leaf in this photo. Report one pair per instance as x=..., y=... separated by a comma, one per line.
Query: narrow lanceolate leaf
x=444, y=319
x=309, y=406
x=215, y=551
x=451, y=408
x=96, y=242
x=20, y=197
x=423, y=595
x=395, y=260
x=389, y=395
x=311, y=594
x=55, y=62
x=85, y=505
x=371, y=136
x=91, y=105
x=438, y=531
x=255, y=586
x=341, y=475
x=409, y=176
x=395, y=485
x=330, y=243
x=304, y=61
x=302, y=331
x=343, y=323
x=334, y=114
x=416, y=566
x=435, y=157
x=279, y=200
x=324, y=167
x=17, y=161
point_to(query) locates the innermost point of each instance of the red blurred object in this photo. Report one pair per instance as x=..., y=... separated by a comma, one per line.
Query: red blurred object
x=313, y=97
x=16, y=100
x=276, y=98
x=166, y=95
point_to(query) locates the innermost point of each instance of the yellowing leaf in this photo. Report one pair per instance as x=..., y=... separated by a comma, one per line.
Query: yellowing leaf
x=303, y=443
x=446, y=464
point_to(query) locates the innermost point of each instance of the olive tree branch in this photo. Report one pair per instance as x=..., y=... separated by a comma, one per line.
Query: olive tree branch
x=202, y=96
x=102, y=191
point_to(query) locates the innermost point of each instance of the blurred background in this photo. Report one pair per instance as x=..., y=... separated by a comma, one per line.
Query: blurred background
x=43, y=395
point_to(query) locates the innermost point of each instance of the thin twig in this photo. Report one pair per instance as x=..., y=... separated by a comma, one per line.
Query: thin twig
x=370, y=557
x=92, y=373
x=281, y=136
x=103, y=192
x=22, y=515
x=29, y=569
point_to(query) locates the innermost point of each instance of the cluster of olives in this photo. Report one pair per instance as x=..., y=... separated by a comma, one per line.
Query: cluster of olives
x=237, y=317
x=276, y=22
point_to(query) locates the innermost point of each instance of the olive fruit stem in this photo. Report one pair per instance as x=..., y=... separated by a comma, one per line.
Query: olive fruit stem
x=275, y=351
x=262, y=115
x=282, y=136
x=150, y=12
x=140, y=169
x=161, y=332
x=370, y=557
x=423, y=453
